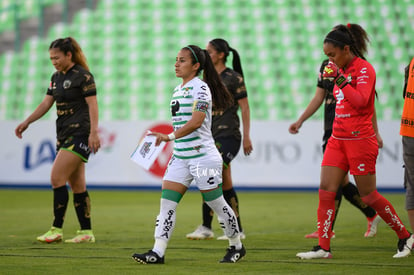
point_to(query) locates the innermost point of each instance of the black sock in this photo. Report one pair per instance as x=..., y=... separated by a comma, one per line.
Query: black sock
x=338, y=200
x=208, y=214
x=60, y=203
x=231, y=198
x=352, y=195
x=82, y=205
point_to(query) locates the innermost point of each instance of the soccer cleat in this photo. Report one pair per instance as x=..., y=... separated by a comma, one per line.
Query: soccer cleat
x=148, y=258
x=404, y=247
x=82, y=236
x=314, y=235
x=233, y=255
x=225, y=238
x=372, y=226
x=201, y=233
x=316, y=253
x=53, y=235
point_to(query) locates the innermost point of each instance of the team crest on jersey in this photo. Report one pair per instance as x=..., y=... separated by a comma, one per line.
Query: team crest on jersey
x=186, y=92
x=67, y=83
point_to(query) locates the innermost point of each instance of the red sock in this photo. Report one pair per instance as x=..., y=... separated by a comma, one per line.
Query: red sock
x=387, y=212
x=326, y=215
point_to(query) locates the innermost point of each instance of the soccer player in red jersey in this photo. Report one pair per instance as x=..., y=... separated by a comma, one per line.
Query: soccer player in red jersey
x=353, y=145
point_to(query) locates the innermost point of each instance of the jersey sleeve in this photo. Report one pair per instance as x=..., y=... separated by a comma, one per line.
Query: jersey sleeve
x=88, y=85
x=241, y=91
x=365, y=81
x=202, y=99
x=50, y=88
x=320, y=80
x=405, y=79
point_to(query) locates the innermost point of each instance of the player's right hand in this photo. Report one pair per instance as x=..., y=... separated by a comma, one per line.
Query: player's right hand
x=20, y=129
x=294, y=127
x=330, y=72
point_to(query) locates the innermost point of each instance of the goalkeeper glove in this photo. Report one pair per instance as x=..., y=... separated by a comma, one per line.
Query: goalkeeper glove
x=331, y=73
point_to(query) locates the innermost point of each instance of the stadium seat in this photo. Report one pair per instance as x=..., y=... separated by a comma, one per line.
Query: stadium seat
x=131, y=48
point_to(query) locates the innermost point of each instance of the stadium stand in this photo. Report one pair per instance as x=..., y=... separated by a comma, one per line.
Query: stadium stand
x=131, y=48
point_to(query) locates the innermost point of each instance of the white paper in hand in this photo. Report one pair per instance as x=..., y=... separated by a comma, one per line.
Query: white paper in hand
x=146, y=152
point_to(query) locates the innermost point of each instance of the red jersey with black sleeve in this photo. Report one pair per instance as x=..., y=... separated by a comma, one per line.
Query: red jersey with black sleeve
x=355, y=101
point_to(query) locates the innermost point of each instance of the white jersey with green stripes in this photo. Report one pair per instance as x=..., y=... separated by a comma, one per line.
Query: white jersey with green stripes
x=195, y=95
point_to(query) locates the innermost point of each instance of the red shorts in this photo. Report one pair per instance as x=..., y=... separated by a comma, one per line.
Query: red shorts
x=358, y=156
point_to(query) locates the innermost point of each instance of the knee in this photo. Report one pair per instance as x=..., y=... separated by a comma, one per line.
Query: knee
x=56, y=180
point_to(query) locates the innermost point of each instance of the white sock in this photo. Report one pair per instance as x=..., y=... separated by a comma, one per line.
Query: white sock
x=164, y=226
x=235, y=242
x=227, y=220
x=160, y=246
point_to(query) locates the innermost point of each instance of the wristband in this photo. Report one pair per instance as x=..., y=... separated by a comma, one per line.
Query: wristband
x=341, y=81
x=171, y=136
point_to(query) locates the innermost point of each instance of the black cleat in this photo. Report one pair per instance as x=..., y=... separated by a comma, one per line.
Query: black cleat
x=233, y=255
x=148, y=258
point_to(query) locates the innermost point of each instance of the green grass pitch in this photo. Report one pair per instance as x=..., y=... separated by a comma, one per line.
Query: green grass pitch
x=123, y=221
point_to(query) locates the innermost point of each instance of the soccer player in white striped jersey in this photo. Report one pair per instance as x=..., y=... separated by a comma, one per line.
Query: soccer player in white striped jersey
x=195, y=157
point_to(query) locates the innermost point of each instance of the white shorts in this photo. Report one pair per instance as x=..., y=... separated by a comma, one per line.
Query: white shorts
x=206, y=171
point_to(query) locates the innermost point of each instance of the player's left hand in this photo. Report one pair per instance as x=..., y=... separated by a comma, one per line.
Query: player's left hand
x=160, y=137
x=247, y=146
x=380, y=141
x=94, y=142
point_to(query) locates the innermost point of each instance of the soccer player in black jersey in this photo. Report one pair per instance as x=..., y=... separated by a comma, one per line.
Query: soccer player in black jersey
x=324, y=91
x=73, y=89
x=226, y=131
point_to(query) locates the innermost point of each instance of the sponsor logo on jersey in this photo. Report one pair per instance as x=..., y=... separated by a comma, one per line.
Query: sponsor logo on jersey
x=87, y=76
x=339, y=95
x=363, y=70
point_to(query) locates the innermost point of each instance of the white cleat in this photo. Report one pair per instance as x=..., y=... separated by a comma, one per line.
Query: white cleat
x=316, y=253
x=372, y=226
x=201, y=233
x=404, y=247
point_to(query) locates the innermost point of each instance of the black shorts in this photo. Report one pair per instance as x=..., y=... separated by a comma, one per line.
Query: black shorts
x=228, y=148
x=76, y=145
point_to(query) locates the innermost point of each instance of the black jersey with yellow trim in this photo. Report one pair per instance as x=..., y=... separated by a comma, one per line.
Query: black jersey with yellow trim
x=69, y=91
x=227, y=123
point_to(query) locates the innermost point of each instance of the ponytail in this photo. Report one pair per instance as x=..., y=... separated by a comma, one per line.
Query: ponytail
x=222, y=99
x=222, y=46
x=69, y=44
